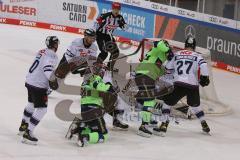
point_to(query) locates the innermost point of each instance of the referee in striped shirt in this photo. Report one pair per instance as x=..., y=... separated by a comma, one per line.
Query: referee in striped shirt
x=105, y=26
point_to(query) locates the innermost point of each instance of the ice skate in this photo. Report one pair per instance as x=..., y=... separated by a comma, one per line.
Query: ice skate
x=23, y=127
x=28, y=138
x=118, y=125
x=161, y=131
x=144, y=131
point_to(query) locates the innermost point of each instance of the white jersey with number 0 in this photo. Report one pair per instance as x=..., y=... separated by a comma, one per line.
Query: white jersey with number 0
x=187, y=66
x=42, y=68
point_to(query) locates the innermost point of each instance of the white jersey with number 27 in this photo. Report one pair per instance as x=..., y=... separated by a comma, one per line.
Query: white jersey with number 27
x=187, y=66
x=42, y=68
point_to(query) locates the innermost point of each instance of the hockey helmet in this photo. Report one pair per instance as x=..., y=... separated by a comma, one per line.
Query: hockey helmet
x=51, y=41
x=190, y=42
x=90, y=32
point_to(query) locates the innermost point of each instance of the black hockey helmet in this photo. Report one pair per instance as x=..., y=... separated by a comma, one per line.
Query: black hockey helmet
x=51, y=41
x=190, y=42
x=90, y=32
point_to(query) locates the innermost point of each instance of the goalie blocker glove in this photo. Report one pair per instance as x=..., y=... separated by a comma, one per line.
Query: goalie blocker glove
x=204, y=81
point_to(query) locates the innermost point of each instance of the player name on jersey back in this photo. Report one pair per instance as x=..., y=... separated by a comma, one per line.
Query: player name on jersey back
x=42, y=69
x=189, y=57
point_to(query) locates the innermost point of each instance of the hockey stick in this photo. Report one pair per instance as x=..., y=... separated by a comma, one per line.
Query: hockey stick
x=64, y=68
x=124, y=56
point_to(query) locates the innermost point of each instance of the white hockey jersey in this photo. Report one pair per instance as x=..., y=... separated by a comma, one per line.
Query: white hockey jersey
x=187, y=66
x=42, y=68
x=77, y=51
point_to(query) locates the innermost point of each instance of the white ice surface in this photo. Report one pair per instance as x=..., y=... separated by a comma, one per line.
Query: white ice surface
x=18, y=46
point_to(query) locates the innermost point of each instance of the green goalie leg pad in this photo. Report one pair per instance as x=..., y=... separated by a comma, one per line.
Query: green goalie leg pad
x=86, y=131
x=146, y=116
x=93, y=137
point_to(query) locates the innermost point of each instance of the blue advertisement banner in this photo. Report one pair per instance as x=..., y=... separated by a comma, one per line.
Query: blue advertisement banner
x=140, y=23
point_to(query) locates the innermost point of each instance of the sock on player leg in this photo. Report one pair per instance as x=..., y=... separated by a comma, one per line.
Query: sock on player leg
x=198, y=111
x=166, y=112
x=36, y=117
x=28, y=111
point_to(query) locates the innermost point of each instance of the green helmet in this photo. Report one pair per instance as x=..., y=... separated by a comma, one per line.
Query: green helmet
x=163, y=46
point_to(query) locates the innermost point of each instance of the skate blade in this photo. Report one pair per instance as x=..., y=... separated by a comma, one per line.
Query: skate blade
x=26, y=141
x=71, y=127
x=206, y=133
x=69, y=136
x=74, y=138
x=114, y=128
x=20, y=133
x=80, y=144
x=160, y=134
x=140, y=133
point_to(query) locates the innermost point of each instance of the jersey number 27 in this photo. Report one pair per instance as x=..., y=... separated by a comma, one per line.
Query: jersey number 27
x=184, y=65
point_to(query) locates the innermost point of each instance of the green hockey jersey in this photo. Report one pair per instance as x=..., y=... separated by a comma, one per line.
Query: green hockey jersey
x=94, y=86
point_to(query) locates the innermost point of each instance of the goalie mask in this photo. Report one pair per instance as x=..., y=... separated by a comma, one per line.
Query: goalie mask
x=164, y=47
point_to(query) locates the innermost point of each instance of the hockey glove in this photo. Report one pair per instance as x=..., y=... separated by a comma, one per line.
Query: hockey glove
x=204, y=80
x=49, y=91
x=53, y=84
x=113, y=89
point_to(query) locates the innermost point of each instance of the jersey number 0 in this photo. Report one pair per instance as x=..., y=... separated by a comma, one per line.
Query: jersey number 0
x=36, y=62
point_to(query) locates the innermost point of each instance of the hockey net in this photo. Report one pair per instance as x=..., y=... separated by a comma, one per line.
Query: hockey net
x=209, y=99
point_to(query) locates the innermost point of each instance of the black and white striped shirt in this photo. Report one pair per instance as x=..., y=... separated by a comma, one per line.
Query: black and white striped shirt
x=107, y=23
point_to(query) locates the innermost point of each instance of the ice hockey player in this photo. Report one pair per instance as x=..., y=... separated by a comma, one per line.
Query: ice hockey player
x=92, y=131
x=105, y=26
x=39, y=78
x=186, y=65
x=81, y=53
x=118, y=111
x=147, y=73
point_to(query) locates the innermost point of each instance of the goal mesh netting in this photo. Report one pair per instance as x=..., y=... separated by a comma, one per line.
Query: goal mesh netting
x=209, y=99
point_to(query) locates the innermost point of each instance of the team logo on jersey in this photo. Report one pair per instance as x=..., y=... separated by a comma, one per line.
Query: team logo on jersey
x=190, y=31
x=109, y=26
x=83, y=54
